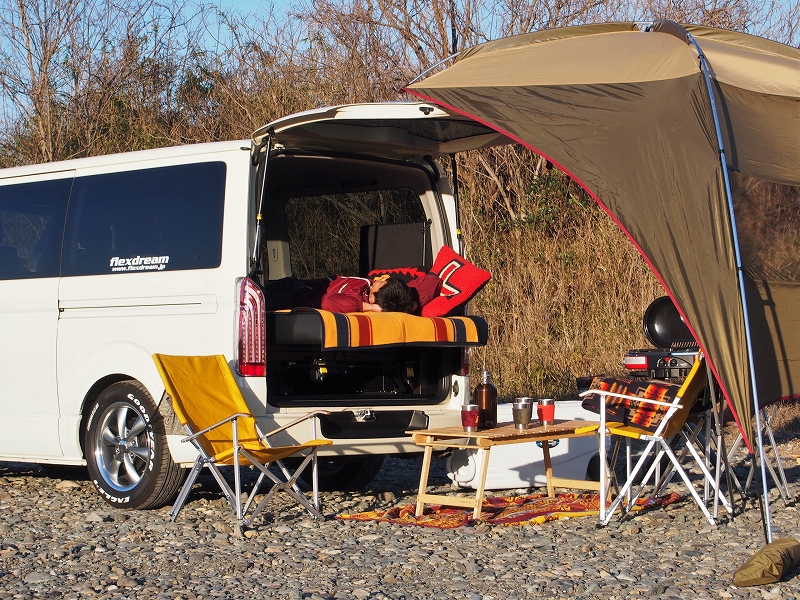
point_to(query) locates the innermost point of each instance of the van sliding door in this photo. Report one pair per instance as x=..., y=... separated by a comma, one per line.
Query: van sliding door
x=31, y=226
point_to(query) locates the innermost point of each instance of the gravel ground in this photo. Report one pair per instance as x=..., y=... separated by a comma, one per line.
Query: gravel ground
x=59, y=540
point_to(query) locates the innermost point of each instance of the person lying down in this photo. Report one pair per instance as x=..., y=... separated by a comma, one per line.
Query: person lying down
x=382, y=293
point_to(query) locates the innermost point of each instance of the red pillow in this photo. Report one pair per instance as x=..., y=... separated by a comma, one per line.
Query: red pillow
x=461, y=280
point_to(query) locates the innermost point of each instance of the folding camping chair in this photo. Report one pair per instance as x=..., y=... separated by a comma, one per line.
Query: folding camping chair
x=711, y=444
x=779, y=477
x=210, y=406
x=673, y=414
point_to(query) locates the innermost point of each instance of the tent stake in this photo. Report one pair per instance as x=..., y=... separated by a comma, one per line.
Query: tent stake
x=740, y=275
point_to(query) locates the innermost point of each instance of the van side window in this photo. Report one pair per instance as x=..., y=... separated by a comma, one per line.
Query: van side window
x=325, y=231
x=166, y=218
x=31, y=226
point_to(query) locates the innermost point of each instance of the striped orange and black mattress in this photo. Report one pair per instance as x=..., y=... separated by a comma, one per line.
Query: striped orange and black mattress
x=340, y=331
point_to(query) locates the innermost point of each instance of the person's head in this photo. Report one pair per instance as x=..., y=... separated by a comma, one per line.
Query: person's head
x=392, y=295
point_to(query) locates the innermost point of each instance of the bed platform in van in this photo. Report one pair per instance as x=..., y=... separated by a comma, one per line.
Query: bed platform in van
x=337, y=331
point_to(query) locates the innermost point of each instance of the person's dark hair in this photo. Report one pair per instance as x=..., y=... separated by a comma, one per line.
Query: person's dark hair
x=395, y=296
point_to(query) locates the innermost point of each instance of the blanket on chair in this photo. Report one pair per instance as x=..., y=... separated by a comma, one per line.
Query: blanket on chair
x=631, y=412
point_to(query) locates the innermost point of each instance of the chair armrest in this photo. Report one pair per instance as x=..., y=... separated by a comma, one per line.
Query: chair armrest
x=293, y=423
x=189, y=438
x=604, y=393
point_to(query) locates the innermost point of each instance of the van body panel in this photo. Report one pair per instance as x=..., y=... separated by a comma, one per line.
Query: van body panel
x=111, y=324
x=92, y=360
x=29, y=322
x=182, y=454
x=145, y=306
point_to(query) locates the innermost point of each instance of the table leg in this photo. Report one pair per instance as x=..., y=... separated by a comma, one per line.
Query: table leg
x=423, y=478
x=548, y=468
x=476, y=513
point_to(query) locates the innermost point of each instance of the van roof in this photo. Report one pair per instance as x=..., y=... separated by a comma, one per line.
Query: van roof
x=124, y=158
x=400, y=130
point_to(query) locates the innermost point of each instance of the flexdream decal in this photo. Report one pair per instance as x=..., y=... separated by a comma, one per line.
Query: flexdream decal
x=138, y=263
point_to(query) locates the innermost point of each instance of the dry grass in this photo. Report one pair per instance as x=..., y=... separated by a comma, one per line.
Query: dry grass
x=768, y=221
x=568, y=290
x=786, y=425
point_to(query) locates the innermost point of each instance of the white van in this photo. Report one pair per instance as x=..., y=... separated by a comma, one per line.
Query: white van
x=188, y=250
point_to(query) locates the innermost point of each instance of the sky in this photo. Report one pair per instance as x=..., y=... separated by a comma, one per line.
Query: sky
x=254, y=5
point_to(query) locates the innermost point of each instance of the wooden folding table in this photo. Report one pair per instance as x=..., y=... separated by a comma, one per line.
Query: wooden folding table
x=483, y=440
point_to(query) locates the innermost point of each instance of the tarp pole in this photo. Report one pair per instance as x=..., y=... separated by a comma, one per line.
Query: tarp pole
x=740, y=275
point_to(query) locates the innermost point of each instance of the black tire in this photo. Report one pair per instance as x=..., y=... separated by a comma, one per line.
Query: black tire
x=593, y=469
x=126, y=449
x=345, y=473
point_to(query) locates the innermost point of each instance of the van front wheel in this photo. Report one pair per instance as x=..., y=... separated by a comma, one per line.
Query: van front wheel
x=126, y=449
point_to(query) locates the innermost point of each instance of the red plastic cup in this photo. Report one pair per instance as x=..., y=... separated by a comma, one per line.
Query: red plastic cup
x=469, y=417
x=546, y=411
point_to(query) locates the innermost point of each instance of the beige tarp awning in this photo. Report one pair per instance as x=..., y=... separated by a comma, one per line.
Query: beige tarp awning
x=626, y=113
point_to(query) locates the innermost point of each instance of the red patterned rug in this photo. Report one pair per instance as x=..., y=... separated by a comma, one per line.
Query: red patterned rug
x=534, y=509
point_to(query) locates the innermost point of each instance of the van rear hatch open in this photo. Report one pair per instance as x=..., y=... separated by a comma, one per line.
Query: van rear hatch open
x=394, y=130
x=347, y=190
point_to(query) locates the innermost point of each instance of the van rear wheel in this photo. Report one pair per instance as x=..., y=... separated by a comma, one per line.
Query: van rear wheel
x=126, y=449
x=345, y=473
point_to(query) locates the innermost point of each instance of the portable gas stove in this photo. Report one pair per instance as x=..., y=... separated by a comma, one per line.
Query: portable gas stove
x=675, y=349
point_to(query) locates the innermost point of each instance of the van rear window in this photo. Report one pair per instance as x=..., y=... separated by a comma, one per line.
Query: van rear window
x=325, y=232
x=31, y=225
x=167, y=218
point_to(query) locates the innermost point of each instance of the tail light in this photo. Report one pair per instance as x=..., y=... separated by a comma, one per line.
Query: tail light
x=635, y=363
x=251, y=333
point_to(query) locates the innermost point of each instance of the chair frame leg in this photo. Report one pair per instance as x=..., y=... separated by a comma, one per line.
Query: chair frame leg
x=667, y=449
x=289, y=486
x=686, y=480
x=689, y=435
x=201, y=462
x=605, y=518
x=315, y=479
x=187, y=487
x=710, y=482
x=778, y=478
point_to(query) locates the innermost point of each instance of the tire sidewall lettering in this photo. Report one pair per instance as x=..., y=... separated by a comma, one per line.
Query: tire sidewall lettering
x=141, y=407
x=108, y=497
x=91, y=415
x=150, y=434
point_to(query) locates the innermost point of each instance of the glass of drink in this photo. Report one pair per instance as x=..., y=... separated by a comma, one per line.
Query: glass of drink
x=469, y=417
x=522, y=411
x=546, y=411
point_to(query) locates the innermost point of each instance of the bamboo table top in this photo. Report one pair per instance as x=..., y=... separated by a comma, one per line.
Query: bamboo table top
x=505, y=433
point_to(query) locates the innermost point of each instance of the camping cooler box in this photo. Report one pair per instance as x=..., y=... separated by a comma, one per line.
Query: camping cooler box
x=522, y=465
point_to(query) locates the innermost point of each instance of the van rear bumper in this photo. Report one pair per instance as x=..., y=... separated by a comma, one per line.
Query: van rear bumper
x=367, y=423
